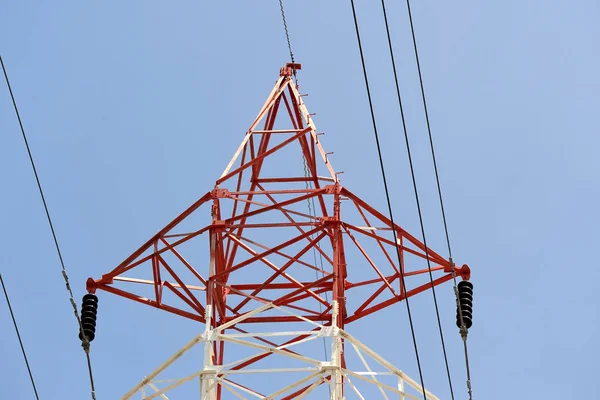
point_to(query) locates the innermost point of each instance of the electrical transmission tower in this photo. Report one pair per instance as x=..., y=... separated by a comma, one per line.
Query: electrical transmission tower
x=270, y=282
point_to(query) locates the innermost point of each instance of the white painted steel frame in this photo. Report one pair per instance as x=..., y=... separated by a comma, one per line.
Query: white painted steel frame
x=318, y=372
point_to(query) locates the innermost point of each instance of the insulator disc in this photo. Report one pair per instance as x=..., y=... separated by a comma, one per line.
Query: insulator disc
x=88, y=328
x=468, y=322
x=464, y=304
x=465, y=314
x=88, y=317
x=91, y=307
x=89, y=303
x=465, y=289
x=90, y=297
x=89, y=310
x=466, y=296
x=88, y=320
x=466, y=308
x=90, y=335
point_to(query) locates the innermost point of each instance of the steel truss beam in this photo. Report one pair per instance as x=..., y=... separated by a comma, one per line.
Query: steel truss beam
x=264, y=247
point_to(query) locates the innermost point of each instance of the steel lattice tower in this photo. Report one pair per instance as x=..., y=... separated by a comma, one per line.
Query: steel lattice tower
x=270, y=280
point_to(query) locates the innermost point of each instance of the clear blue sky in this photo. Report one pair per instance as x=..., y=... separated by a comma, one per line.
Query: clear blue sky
x=133, y=108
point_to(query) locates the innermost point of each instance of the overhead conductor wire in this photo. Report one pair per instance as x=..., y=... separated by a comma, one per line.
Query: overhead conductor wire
x=463, y=329
x=289, y=43
x=387, y=195
x=19, y=337
x=85, y=342
x=414, y=182
x=310, y=202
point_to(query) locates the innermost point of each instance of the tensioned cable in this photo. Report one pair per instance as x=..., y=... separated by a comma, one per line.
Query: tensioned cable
x=287, y=36
x=414, y=181
x=463, y=328
x=19, y=336
x=387, y=195
x=85, y=342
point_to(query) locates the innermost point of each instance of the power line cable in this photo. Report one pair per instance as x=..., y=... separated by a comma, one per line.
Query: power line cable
x=414, y=181
x=387, y=195
x=85, y=342
x=289, y=43
x=463, y=329
x=19, y=336
x=437, y=178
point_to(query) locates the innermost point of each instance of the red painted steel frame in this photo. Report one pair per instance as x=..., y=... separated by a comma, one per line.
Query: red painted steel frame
x=244, y=202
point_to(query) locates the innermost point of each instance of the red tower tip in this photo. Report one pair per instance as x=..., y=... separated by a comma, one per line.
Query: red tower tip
x=289, y=69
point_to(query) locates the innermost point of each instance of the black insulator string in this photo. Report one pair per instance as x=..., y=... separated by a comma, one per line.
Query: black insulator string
x=60, y=257
x=19, y=337
x=387, y=195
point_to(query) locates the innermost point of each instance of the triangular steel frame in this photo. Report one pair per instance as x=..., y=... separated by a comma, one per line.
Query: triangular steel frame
x=260, y=238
